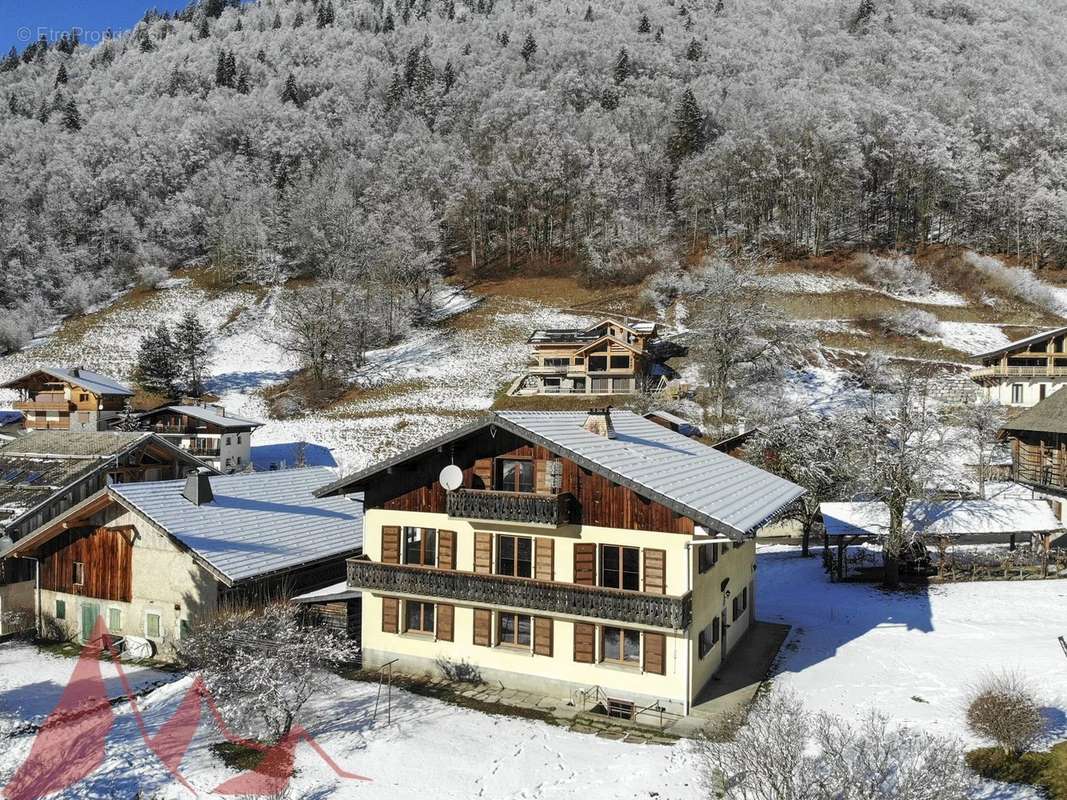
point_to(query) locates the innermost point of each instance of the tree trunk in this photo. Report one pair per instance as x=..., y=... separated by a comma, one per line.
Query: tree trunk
x=891, y=570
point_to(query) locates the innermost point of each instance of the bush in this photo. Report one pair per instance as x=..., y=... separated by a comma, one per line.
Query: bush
x=896, y=273
x=151, y=275
x=995, y=764
x=1003, y=710
x=911, y=322
x=1015, y=282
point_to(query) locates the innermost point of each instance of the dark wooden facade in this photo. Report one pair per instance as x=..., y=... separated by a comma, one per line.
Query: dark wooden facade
x=595, y=499
x=1040, y=458
x=106, y=556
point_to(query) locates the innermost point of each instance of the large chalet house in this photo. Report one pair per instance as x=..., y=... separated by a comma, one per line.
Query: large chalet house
x=568, y=551
x=1038, y=440
x=45, y=473
x=615, y=356
x=153, y=558
x=72, y=399
x=1025, y=372
x=223, y=441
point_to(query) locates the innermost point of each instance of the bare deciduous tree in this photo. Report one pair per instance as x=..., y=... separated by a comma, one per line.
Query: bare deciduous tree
x=1002, y=709
x=981, y=421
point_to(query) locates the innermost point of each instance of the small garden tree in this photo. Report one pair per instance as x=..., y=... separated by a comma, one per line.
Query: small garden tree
x=1003, y=710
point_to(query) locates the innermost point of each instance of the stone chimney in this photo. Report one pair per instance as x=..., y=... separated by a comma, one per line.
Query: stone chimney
x=198, y=488
x=76, y=372
x=599, y=422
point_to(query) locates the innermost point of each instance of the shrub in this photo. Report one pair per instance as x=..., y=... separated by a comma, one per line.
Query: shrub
x=995, y=764
x=911, y=322
x=1015, y=282
x=1002, y=710
x=151, y=275
x=897, y=273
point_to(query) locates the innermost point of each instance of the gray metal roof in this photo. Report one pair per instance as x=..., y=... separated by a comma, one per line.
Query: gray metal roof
x=1020, y=343
x=257, y=524
x=1048, y=416
x=93, y=381
x=207, y=415
x=90, y=444
x=715, y=490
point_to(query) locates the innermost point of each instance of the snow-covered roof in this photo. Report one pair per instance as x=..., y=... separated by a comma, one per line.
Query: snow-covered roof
x=1048, y=416
x=722, y=493
x=256, y=524
x=335, y=591
x=672, y=418
x=950, y=518
x=91, y=381
x=1019, y=343
x=206, y=414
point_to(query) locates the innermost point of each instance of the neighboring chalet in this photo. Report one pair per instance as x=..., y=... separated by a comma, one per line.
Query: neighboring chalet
x=1038, y=441
x=45, y=473
x=574, y=552
x=75, y=400
x=207, y=432
x=615, y=356
x=153, y=558
x=1025, y=372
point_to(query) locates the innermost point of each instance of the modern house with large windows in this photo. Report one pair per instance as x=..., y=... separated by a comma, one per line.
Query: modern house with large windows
x=558, y=552
x=1025, y=372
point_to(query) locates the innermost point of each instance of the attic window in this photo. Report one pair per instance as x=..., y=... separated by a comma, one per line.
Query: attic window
x=78, y=574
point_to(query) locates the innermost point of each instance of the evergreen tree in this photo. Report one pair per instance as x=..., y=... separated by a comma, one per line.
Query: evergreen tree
x=13, y=104
x=72, y=119
x=231, y=69
x=11, y=62
x=863, y=14
x=695, y=51
x=127, y=419
x=529, y=47
x=325, y=14
x=61, y=76
x=192, y=348
x=205, y=29
x=243, y=84
x=720, y=8
x=220, y=69
x=644, y=26
x=214, y=8
x=622, y=66
x=411, y=64
x=425, y=74
x=389, y=24
x=261, y=56
x=277, y=22
x=609, y=99
x=239, y=26
x=467, y=49
x=146, y=45
x=688, y=136
x=588, y=14
x=157, y=369
x=505, y=38
x=291, y=93
x=298, y=20
x=448, y=77
x=450, y=10
x=395, y=93
x=688, y=22
x=74, y=41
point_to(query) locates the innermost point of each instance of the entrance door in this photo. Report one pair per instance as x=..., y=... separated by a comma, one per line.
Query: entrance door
x=90, y=612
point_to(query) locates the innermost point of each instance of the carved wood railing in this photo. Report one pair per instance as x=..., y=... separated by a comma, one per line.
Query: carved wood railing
x=654, y=610
x=539, y=509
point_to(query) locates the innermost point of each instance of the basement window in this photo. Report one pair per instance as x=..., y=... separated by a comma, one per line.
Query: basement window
x=78, y=574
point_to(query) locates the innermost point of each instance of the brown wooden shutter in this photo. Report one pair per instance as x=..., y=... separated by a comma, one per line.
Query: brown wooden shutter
x=541, y=476
x=483, y=553
x=543, y=558
x=390, y=544
x=585, y=564
x=390, y=615
x=446, y=549
x=584, y=642
x=483, y=473
x=542, y=644
x=445, y=622
x=656, y=571
x=655, y=653
x=483, y=627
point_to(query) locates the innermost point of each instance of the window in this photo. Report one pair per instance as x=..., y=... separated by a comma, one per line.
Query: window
x=1041, y=391
x=620, y=567
x=620, y=362
x=420, y=546
x=238, y=438
x=579, y=360
x=516, y=475
x=598, y=363
x=740, y=603
x=557, y=362
x=419, y=617
x=514, y=556
x=1016, y=393
x=83, y=398
x=61, y=609
x=708, y=556
x=621, y=645
x=228, y=440
x=114, y=619
x=78, y=576
x=709, y=637
x=514, y=629
x=153, y=625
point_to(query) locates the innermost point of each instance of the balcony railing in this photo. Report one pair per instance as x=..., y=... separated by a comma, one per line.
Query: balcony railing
x=535, y=509
x=636, y=608
x=1001, y=371
x=44, y=404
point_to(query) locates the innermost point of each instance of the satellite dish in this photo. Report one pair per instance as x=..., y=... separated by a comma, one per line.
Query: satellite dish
x=451, y=477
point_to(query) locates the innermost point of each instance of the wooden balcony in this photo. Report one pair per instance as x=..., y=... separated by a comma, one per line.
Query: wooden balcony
x=524, y=507
x=46, y=404
x=635, y=608
x=1003, y=371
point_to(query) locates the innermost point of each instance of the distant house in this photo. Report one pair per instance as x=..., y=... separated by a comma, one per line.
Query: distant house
x=615, y=356
x=1026, y=371
x=152, y=558
x=1038, y=441
x=12, y=423
x=205, y=431
x=673, y=422
x=45, y=473
x=75, y=400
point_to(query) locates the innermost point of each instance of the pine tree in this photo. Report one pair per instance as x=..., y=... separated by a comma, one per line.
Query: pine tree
x=239, y=26
x=644, y=26
x=505, y=39
x=214, y=8
x=659, y=34
x=622, y=66
x=609, y=99
x=425, y=74
x=467, y=49
x=231, y=69
x=192, y=348
x=127, y=419
x=529, y=47
x=13, y=104
x=588, y=14
x=220, y=69
x=61, y=76
x=74, y=41
x=243, y=84
x=325, y=14
x=388, y=24
x=277, y=22
x=291, y=93
x=205, y=29
x=72, y=118
x=695, y=51
x=688, y=22
x=298, y=20
x=448, y=77
x=146, y=44
x=720, y=8
x=450, y=10
x=261, y=56
x=11, y=62
x=157, y=369
x=688, y=136
x=863, y=14
x=395, y=93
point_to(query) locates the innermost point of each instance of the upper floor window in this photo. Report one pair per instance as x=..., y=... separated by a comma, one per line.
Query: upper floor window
x=620, y=362
x=516, y=475
x=78, y=574
x=708, y=555
x=514, y=556
x=557, y=362
x=620, y=567
x=420, y=546
x=1016, y=392
x=83, y=398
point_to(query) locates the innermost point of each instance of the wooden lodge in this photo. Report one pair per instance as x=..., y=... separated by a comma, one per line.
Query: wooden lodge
x=1025, y=372
x=75, y=400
